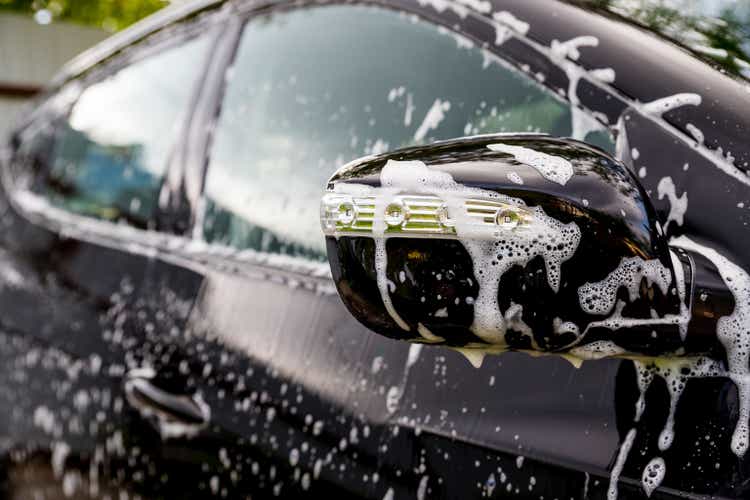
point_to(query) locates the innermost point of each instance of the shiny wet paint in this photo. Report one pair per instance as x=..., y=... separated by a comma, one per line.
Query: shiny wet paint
x=306, y=401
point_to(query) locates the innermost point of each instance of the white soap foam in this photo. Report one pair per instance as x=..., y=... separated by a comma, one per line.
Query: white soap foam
x=606, y=75
x=553, y=168
x=622, y=457
x=679, y=273
x=512, y=21
x=413, y=356
x=554, y=241
x=653, y=475
x=677, y=205
x=562, y=54
x=492, y=249
x=733, y=332
x=597, y=350
x=435, y=115
x=514, y=321
x=569, y=48
x=442, y=5
x=661, y=106
x=644, y=377
x=696, y=133
x=514, y=178
x=505, y=24
x=600, y=297
x=409, y=109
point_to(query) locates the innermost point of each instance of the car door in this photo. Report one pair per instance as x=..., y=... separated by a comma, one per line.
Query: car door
x=338, y=404
x=90, y=202
x=302, y=98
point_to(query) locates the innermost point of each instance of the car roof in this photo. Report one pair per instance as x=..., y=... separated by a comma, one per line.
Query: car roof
x=174, y=12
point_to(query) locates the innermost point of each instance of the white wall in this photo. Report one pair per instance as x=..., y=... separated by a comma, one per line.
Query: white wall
x=30, y=54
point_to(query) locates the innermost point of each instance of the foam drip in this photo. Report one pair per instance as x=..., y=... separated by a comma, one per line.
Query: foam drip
x=677, y=205
x=676, y=373
x=622, y=457
x=554, y=241
x=733, y=332
x=653, y=475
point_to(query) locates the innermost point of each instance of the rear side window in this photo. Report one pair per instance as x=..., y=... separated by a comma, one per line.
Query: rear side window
x=110, y=155
x=311, y=89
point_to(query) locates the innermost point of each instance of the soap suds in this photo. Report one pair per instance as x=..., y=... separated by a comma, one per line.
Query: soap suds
x=493, y=249
x=505, y=24
x=696, y=133
x=653, y=475
x=514, y=178
x=512, y=21
x=597, y=350
x=554, y=241
x=606, y=75
x=570, y=47
x=677, y=205
x=622, y=456
x=733, y=332
x=553, y=168
x=561, y=54
x=435, y=115
x=600, y=297
x=661, y=106
x=381, y=262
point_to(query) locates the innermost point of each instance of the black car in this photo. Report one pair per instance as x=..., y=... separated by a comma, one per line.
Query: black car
x=543, y=177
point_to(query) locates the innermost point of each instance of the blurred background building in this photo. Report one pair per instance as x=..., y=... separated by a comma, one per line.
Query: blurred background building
x=37, y=37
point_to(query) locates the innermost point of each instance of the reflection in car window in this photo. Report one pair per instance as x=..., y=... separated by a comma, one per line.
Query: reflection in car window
x=111, y=154
x=303, y=99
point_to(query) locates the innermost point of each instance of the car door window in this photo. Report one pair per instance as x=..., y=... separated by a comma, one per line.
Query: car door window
x=110, y=154
x=311, y=89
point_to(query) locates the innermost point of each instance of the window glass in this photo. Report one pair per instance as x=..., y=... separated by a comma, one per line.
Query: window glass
x=111, y=153
x=303, y=98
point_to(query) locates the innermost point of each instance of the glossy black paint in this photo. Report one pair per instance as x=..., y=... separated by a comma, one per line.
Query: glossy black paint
x=604, y=199
x=78, y=310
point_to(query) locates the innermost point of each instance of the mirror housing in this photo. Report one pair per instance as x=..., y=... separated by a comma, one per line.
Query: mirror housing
x=507, y=242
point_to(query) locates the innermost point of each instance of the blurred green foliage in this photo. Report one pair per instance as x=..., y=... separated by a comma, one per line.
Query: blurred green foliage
x=110, y=15
x=718, y=31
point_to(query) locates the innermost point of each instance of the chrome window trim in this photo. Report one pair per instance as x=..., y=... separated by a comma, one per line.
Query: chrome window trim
x=179, y=250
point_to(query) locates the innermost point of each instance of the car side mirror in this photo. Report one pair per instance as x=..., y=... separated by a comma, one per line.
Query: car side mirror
x=507, y=242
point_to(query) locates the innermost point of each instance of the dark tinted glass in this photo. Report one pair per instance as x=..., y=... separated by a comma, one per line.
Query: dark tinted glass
x=312, y=89
x=111, y=153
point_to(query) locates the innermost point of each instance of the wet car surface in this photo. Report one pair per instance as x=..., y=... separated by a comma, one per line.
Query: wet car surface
x=169, y=327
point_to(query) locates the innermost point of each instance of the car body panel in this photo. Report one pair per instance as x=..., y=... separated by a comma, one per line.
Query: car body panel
x=267, y=345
